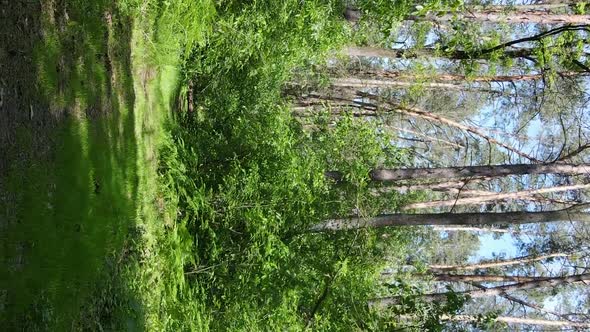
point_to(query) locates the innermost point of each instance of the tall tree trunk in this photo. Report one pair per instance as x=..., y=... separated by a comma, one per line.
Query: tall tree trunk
x=406, y=78
x=493, y=197
x=399, y=174
x=456, y=54
x=482, y=278
x=353, y=15
x=494, y=16
x=494, y=264
x=470, y=219
x=476, y=229
x=376, y=52
x=492, y=291
x=519, y=321
x=362, y=83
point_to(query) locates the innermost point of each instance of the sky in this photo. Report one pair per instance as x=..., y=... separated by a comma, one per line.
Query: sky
x=491, y=247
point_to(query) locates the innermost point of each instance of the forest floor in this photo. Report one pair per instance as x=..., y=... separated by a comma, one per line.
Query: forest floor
x=118, y=213
x=81, y=109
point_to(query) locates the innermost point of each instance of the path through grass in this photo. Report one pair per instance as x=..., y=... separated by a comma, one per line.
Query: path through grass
x=84, y=97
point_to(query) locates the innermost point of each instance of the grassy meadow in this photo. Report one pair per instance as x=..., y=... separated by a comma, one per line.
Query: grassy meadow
x=154, y=179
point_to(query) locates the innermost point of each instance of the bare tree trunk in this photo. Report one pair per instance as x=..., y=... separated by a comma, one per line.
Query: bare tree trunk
x=399, y=174
x=519, y=321
x=407, y=78
x=492, y=291
x=560, y=2
x=455, y=54
x=540, y=6
x=470, y=219
x=353, y=15
x=353, y=82
x=483, y=278
x=494, y=264
x=476, y=229
x=430, y=53
x=493, y=197
x=494, y=16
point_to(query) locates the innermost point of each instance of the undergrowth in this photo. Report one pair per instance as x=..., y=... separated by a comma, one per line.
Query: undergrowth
x=213, y=183
x=247, y=180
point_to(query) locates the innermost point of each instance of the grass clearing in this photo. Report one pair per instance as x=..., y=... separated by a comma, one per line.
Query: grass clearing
x=71, y=217
x=177, y=189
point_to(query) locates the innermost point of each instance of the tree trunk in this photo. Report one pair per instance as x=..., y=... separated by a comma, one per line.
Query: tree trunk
x=493, y=264
x=493, y=197
x=494, y=16
x=470, y=219
x=455, y=54
x=364, y=83
x=430, y=53
x=483, y=278
x=456, y=78
x=399, y=174
x=519, y=321
x=477, y=229
x=492, y=291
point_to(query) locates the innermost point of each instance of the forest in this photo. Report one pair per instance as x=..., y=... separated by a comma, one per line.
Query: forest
x=294, y=165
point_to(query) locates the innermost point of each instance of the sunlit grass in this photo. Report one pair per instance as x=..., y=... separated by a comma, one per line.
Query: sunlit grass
x=74, y=209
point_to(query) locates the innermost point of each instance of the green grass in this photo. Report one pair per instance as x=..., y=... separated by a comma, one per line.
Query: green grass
x=73, y=209
x=75, y=215
x=148, y=217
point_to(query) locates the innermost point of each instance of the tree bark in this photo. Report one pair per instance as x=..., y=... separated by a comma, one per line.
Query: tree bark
x=494, y=16
x=483, y=278
x=492, y=291
x=430, y=53
x=399, y=174
x=494, y=264
x=493, y=197
x=456, y=78
x=476, y=229
x=519, y=320
x=470, y=219
x=363, y=83
x=526, y=53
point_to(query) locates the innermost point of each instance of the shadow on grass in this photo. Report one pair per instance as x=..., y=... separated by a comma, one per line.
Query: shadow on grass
x=68, y=183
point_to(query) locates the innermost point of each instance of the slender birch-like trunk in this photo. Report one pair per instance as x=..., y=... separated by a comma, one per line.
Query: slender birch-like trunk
x=493, y=197
x=492, y=171
x=519, y=321
x=463, y=219
x=491, y=291
x=494, y=264
x=494, y=16
x=405, y=78
x=482, y=278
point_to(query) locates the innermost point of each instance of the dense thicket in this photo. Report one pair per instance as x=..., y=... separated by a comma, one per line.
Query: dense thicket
x=283, y=145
